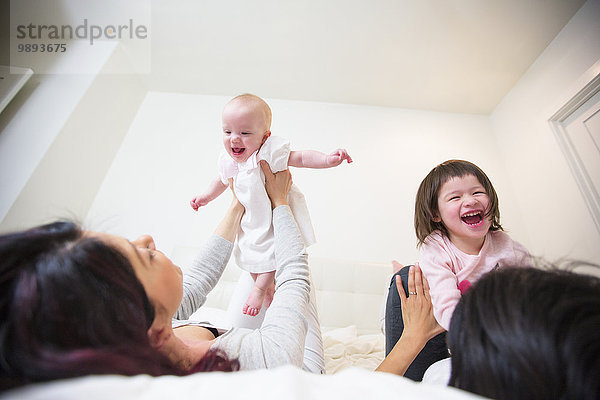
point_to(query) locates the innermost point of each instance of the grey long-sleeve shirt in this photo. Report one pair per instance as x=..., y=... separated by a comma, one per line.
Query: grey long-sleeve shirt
x=280, y=339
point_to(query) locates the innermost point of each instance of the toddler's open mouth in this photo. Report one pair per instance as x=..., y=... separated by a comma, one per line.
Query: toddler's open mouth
x=238, y=150
x=473, y=218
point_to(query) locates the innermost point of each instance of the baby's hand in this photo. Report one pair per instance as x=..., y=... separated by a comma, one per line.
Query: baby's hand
x=337, y=157
x=198, y=202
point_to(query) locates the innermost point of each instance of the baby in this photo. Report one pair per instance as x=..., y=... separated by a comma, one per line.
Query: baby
x=247, y=140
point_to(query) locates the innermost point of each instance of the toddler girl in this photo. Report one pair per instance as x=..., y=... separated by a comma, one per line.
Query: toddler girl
x=247, y=140
x=457, y=222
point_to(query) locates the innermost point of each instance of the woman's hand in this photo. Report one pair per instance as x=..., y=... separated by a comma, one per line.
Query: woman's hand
x=417, y=310
x=230, y=224
x=419, y=323
x=235, y=203
x=277, y=185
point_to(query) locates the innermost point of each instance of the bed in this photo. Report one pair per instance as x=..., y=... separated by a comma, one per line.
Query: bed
x=276, y=384
x=350, y=299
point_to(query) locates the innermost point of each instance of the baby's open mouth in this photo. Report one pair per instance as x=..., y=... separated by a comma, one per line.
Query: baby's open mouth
x=238, y=150
x=472, y=218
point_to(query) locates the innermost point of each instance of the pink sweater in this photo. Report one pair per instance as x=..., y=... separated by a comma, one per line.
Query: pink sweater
x=445, y=267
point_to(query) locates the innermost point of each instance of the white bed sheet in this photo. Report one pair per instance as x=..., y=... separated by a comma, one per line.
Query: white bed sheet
x=277, y=384
x=344, y=348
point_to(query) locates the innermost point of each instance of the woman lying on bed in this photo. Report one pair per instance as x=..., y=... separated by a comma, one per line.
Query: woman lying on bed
x=76, y=302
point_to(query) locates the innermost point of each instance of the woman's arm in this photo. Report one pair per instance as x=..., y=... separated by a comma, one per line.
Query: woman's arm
x=280, y=339
x=210, y=262
x=419, y=324
x=230, y=224
x=283, y=331
x=284, y=328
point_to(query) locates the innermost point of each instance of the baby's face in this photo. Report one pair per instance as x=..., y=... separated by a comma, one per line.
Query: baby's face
x=244, y=129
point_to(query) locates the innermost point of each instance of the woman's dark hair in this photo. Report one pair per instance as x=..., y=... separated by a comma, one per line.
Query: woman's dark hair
x=71, y=305
x=525, y=333
x=426, y=202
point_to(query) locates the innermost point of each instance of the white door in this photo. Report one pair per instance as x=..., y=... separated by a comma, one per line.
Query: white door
x=582, y=128
x=577, y=128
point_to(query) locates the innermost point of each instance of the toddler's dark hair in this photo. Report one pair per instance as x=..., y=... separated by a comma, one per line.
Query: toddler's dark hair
x=426, y=202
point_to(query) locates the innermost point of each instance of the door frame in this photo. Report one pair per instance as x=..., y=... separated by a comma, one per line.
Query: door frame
x=584, y=88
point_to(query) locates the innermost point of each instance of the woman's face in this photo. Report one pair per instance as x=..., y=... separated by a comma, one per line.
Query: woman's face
x=162, y=280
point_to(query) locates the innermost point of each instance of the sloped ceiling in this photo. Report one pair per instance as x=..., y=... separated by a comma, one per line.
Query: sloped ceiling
x=458, y=56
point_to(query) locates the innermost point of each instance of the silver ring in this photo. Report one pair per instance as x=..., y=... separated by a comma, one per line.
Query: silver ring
x=415, y=293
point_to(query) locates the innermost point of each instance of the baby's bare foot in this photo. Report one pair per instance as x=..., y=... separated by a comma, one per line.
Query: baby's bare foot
x=254, y=302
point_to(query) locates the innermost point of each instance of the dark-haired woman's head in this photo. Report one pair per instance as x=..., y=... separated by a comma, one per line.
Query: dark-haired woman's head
x=525, y=333
x=74, y=303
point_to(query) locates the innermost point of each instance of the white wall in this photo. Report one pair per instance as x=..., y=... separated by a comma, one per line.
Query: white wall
x=362, y=211
x=555, y=217
x=34, y=118
x=59, y=138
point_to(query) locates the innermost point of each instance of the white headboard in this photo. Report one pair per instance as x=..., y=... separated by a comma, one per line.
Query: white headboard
x=348, y=292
